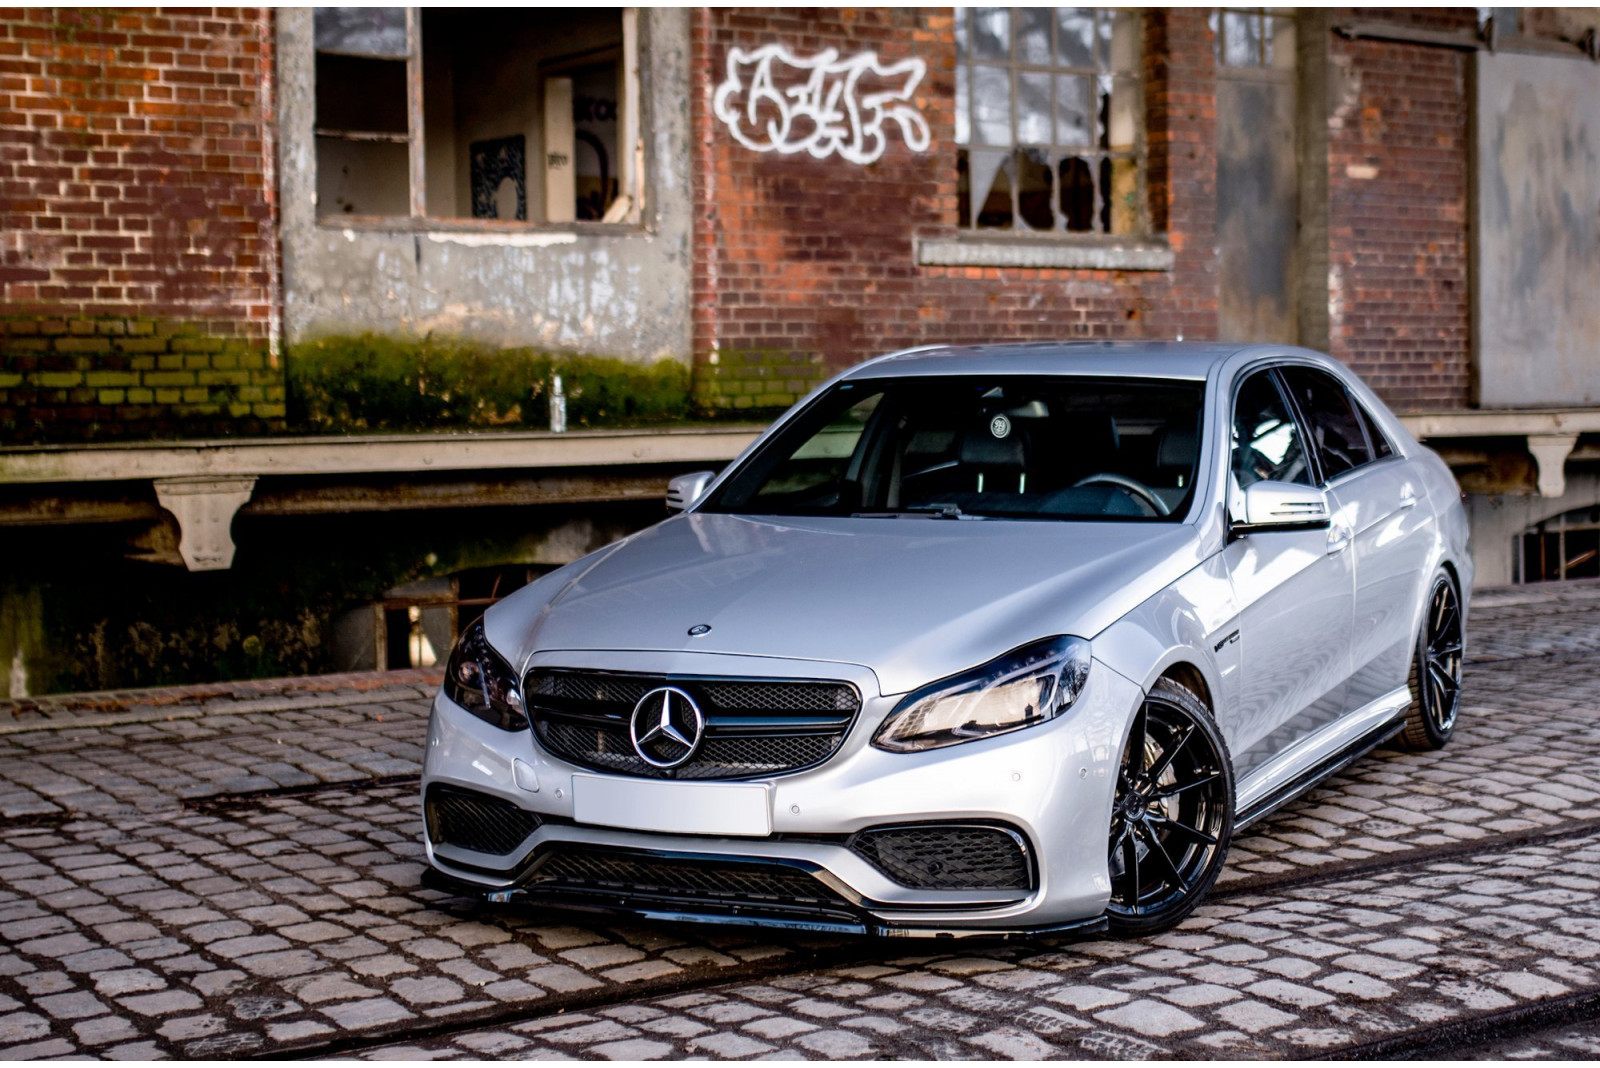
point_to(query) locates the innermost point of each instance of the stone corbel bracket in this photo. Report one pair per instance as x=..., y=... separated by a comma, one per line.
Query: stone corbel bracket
x=204, y=508
x=1550, y=452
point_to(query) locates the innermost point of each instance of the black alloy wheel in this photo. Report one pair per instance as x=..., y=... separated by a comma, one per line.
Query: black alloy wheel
x=1173, y=813
x=1435, y=680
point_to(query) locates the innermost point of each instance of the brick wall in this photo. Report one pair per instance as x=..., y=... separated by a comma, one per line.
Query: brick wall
x=136, y=222
x=1397, y=175
x=815, y=257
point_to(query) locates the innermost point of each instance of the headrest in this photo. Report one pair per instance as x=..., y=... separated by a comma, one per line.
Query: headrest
x=1176, y=447
x=980, y=448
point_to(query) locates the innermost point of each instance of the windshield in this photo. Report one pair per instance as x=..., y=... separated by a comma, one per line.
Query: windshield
x=992, y=446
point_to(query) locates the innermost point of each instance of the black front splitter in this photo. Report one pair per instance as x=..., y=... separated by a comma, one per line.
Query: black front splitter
x=747, y=915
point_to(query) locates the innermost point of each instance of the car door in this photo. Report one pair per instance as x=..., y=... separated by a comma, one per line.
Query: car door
x=1379, y=494
x=1294, y=588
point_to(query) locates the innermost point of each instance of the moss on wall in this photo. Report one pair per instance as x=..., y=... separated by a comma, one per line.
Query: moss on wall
x=380, y=383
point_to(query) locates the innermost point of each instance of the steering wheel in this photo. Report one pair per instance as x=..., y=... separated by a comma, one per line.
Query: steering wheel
x=1134, y=489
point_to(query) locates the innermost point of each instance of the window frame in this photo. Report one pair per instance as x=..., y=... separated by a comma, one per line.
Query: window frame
x=417, y=220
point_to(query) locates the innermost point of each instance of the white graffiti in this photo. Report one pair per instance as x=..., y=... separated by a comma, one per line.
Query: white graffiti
x=775, y=102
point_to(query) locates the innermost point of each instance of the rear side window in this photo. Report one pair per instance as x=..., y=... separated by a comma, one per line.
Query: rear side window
x=1332, y=422
x=1380, y=444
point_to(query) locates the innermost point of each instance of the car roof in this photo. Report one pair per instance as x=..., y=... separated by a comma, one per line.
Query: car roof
x=1191, y=360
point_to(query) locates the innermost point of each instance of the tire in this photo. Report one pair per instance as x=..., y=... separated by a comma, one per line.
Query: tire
x=1435, y=677
x=1169, y=830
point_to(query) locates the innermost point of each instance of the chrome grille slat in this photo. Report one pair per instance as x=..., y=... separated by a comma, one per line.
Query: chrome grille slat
x=754, y=727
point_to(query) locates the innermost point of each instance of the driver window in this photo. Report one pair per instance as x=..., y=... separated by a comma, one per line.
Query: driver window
x=1266, y=439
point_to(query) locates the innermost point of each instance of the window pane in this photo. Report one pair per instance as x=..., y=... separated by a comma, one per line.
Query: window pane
x=1075, y=36
x=1127, y=43
x=1033, y=35
x=361, y=95
x=963, y=106
x=991, y=189
x=1331, y=422
x=1266, y=441
x=1033, y=108
x=991, y=37
x=1034, y=191
x=991, y=105
x=1074, y=110
x=362, y=177
x=366, y=31
x=1077, y=194
x=1122, y=196
x=1122, y=112
x=1280, y=43
x=1241, y=39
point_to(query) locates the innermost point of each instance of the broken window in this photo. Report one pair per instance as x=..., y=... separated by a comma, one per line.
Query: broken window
x=507, y=114
x=1566, y=546
x=1259, y=37
x=1049, y=120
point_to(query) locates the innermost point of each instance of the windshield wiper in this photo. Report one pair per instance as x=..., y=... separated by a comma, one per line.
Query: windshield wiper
x=931, y=511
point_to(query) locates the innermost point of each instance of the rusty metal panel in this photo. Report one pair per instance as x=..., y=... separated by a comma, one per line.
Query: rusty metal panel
x=1257, y=195
x=1536, y=231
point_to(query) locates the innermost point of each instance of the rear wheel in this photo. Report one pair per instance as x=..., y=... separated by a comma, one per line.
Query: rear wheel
x=1435, y=680
x=1173, y=813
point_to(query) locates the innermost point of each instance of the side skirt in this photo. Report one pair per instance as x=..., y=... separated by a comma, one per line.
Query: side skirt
x=1330, y=765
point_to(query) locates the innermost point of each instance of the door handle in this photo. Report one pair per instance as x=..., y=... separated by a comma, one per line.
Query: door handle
x=1408, y=498
x=1338, y=540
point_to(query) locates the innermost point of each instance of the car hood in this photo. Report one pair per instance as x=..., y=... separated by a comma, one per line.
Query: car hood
x=911, y=599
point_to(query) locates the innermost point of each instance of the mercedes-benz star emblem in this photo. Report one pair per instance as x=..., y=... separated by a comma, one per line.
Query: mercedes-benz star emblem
x=666, y=727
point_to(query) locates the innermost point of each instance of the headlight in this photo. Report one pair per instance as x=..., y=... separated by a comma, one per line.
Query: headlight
x=480, y=681
x=1026, y=686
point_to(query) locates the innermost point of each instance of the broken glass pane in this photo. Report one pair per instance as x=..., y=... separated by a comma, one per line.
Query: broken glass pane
x=1033, y=35
x=361, y=31
x=1075, y=36
x=991, y=188
x=1033, y=108
x=991, y=38
x=1034, y=192
x=1077, y=194
x=991, y=105
x=1074, y=110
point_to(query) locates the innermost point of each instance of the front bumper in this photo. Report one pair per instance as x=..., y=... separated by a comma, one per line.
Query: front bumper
x=1053, y=784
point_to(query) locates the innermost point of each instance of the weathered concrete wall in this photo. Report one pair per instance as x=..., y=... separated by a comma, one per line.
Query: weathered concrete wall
x=1498, y=520
x=606, y=290
x=1536, y=232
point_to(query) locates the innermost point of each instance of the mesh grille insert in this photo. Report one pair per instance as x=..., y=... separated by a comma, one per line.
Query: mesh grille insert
x=947, y=856
x=479, y=822
x=578, y=870
x=754, y=727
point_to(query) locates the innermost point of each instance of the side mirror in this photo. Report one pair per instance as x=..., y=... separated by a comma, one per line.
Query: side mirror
x=686, y=489
x=1282, y=506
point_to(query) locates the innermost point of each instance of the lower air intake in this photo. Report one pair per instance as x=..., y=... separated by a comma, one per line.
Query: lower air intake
x=467, y=819
x=642, y=878
x=947, y=856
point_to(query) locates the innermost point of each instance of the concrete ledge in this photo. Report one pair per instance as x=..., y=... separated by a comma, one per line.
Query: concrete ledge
x=1043, y=251
x=1507, y=422
x=385, y=453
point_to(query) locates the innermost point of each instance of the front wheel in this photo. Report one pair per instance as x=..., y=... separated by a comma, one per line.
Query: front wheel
x=1435, y=680
x=1173, y=813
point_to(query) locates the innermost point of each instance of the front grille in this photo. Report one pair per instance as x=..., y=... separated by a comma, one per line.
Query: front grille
x=754, y=727
x=640, y=878
x=479, y=822
x=947, y=856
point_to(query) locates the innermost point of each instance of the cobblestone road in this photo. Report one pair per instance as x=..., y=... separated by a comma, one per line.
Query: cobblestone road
x=235, y=871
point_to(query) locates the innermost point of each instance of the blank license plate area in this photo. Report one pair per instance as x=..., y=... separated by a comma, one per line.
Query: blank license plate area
x=672, y=807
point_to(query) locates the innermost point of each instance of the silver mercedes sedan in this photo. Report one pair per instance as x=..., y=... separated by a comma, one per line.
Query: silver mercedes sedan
x=974, y=640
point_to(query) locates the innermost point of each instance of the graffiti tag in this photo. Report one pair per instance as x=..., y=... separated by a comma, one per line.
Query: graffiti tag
x=773, y=101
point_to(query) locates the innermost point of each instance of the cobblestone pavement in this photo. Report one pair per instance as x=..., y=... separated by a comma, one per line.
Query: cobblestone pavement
x=238, y=873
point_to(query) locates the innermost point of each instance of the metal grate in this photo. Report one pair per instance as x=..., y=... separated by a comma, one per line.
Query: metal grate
x=947, y=856
x=706, y=882
x=753, y=726
x=470, y=820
